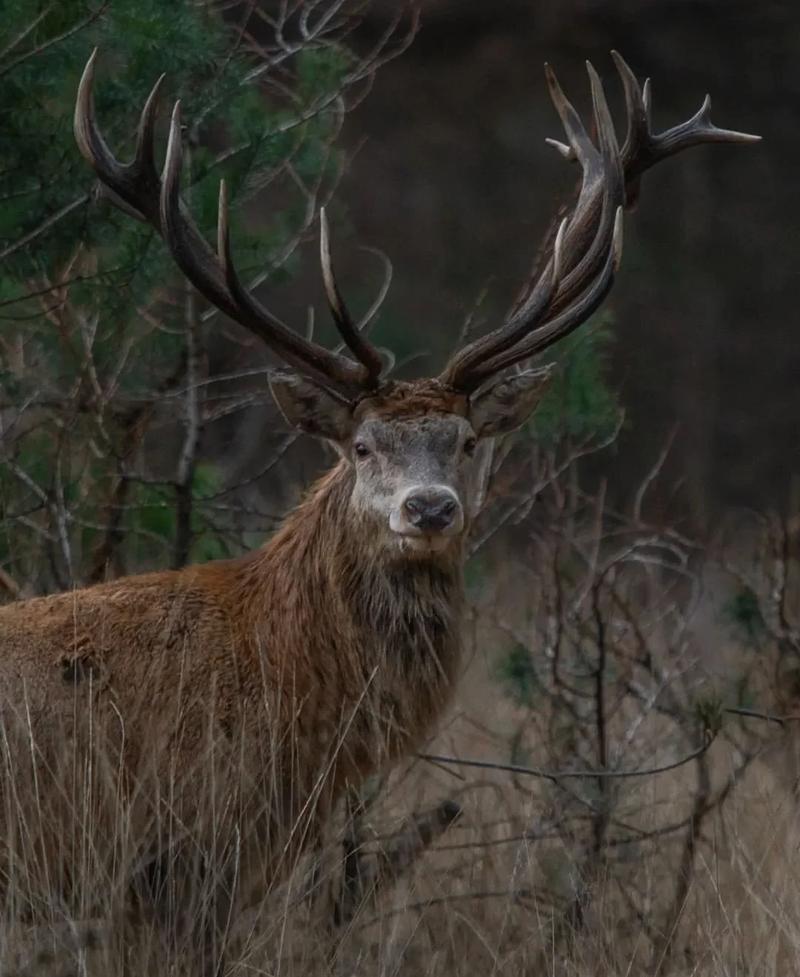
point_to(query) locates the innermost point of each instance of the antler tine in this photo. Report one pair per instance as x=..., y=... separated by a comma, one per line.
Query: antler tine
x=607, y=245
x=580, y=148
x=144, y=164
x=580, y=310
x=135, y=184
x=215, y=277
x=698, y=129
x=137, y=188
x=358, y=345
x=191, y=252
x=637, y=108
x=643, y=147
x=604, y=192
x=580, y=145
x=333, y=371
x=466, y=362
x=582, y=246
x=647, y=98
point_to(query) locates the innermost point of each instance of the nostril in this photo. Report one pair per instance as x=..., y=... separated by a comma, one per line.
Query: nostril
x=414, y=505
x=431, y=511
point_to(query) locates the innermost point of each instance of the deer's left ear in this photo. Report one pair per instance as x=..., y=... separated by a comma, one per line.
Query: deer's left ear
x=310, y=408
x=507, y=404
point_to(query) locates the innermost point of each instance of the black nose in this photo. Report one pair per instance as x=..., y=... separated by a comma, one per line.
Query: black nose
x=430, y=510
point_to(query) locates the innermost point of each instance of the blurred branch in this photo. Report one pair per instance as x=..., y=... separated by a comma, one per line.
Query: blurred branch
x=512, y=895
x=557, y=775
x=46, y=225
x=665, y=945
x=766, y=716
x=184, y=475
x=52, y=41
x=10, y=585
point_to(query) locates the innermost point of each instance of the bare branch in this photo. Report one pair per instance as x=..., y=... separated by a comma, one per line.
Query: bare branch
x=558, y=775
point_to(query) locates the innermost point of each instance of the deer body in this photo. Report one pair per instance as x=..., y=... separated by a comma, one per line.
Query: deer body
x=329, y=639
x=333, y=659
x=289, y=673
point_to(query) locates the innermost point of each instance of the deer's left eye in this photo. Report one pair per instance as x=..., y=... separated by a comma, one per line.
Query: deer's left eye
x=360, y=449
x=469, y=446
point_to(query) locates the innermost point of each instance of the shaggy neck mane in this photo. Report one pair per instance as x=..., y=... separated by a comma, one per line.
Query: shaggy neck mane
x=355, y=616
x=338, y=558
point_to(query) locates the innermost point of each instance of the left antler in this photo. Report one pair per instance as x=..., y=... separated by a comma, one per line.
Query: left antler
x=585, y=253
x=140, y=190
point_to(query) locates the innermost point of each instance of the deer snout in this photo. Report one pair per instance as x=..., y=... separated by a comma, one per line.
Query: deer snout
x=429, y=510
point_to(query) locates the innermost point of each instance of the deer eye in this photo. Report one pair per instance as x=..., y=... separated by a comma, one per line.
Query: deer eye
x=469, y=446
x=360, y=449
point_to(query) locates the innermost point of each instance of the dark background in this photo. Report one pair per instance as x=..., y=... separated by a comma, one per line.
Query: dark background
x=451, y=177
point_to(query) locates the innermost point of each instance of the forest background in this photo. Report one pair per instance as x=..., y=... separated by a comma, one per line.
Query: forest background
x=634, y=583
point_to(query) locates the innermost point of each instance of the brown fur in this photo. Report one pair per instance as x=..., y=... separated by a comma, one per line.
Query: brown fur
x=399, y=399
x=307, y=664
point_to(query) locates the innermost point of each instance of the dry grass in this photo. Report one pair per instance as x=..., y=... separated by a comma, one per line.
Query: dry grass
x=516, y=884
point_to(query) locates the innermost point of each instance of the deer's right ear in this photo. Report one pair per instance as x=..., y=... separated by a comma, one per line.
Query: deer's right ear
x=310, y=408
x=509, y=402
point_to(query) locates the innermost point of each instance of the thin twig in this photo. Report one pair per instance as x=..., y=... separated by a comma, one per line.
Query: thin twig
x=766, y=716
x=16, y=41
x=423, y=904
x=46, y=224
x=52, y=41
x=556, y=775
x=9, y=584
x=184, y=476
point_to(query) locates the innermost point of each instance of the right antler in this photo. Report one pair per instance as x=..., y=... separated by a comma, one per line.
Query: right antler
x=643, y=147
x=586, y=249
x=139, y=189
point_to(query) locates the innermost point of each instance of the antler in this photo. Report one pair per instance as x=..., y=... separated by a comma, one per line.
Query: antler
x=643, y=148
x=586, y=250
x=137, y=188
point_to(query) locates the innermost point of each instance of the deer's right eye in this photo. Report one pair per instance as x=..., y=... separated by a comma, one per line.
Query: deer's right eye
x=360, y=449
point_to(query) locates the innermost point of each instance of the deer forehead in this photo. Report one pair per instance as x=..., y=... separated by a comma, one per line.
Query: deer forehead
x=432, y=435
x=410, y=400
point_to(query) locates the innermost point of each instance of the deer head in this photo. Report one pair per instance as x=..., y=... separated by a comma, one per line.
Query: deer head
x=413, y=447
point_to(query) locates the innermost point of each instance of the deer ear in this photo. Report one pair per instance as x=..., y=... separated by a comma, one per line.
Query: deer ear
x=509, y=402
x=310, y=408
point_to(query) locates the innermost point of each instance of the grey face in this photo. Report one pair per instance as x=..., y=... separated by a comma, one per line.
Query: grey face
x=416, y=478
x=420, y=473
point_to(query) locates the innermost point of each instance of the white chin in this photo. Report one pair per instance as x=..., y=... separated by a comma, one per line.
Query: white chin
x=423, y=544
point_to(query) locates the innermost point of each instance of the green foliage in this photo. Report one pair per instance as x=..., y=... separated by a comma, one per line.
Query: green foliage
x=517, y=675
x=207, y=542
x=83, y=360
x=579, y=404
x=743, y=614
x=151, y=521
x=710, y=713
x=321, y=71
x=476, y=574
x=42, y=173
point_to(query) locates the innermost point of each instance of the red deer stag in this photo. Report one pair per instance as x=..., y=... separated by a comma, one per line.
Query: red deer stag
x=275, y=679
